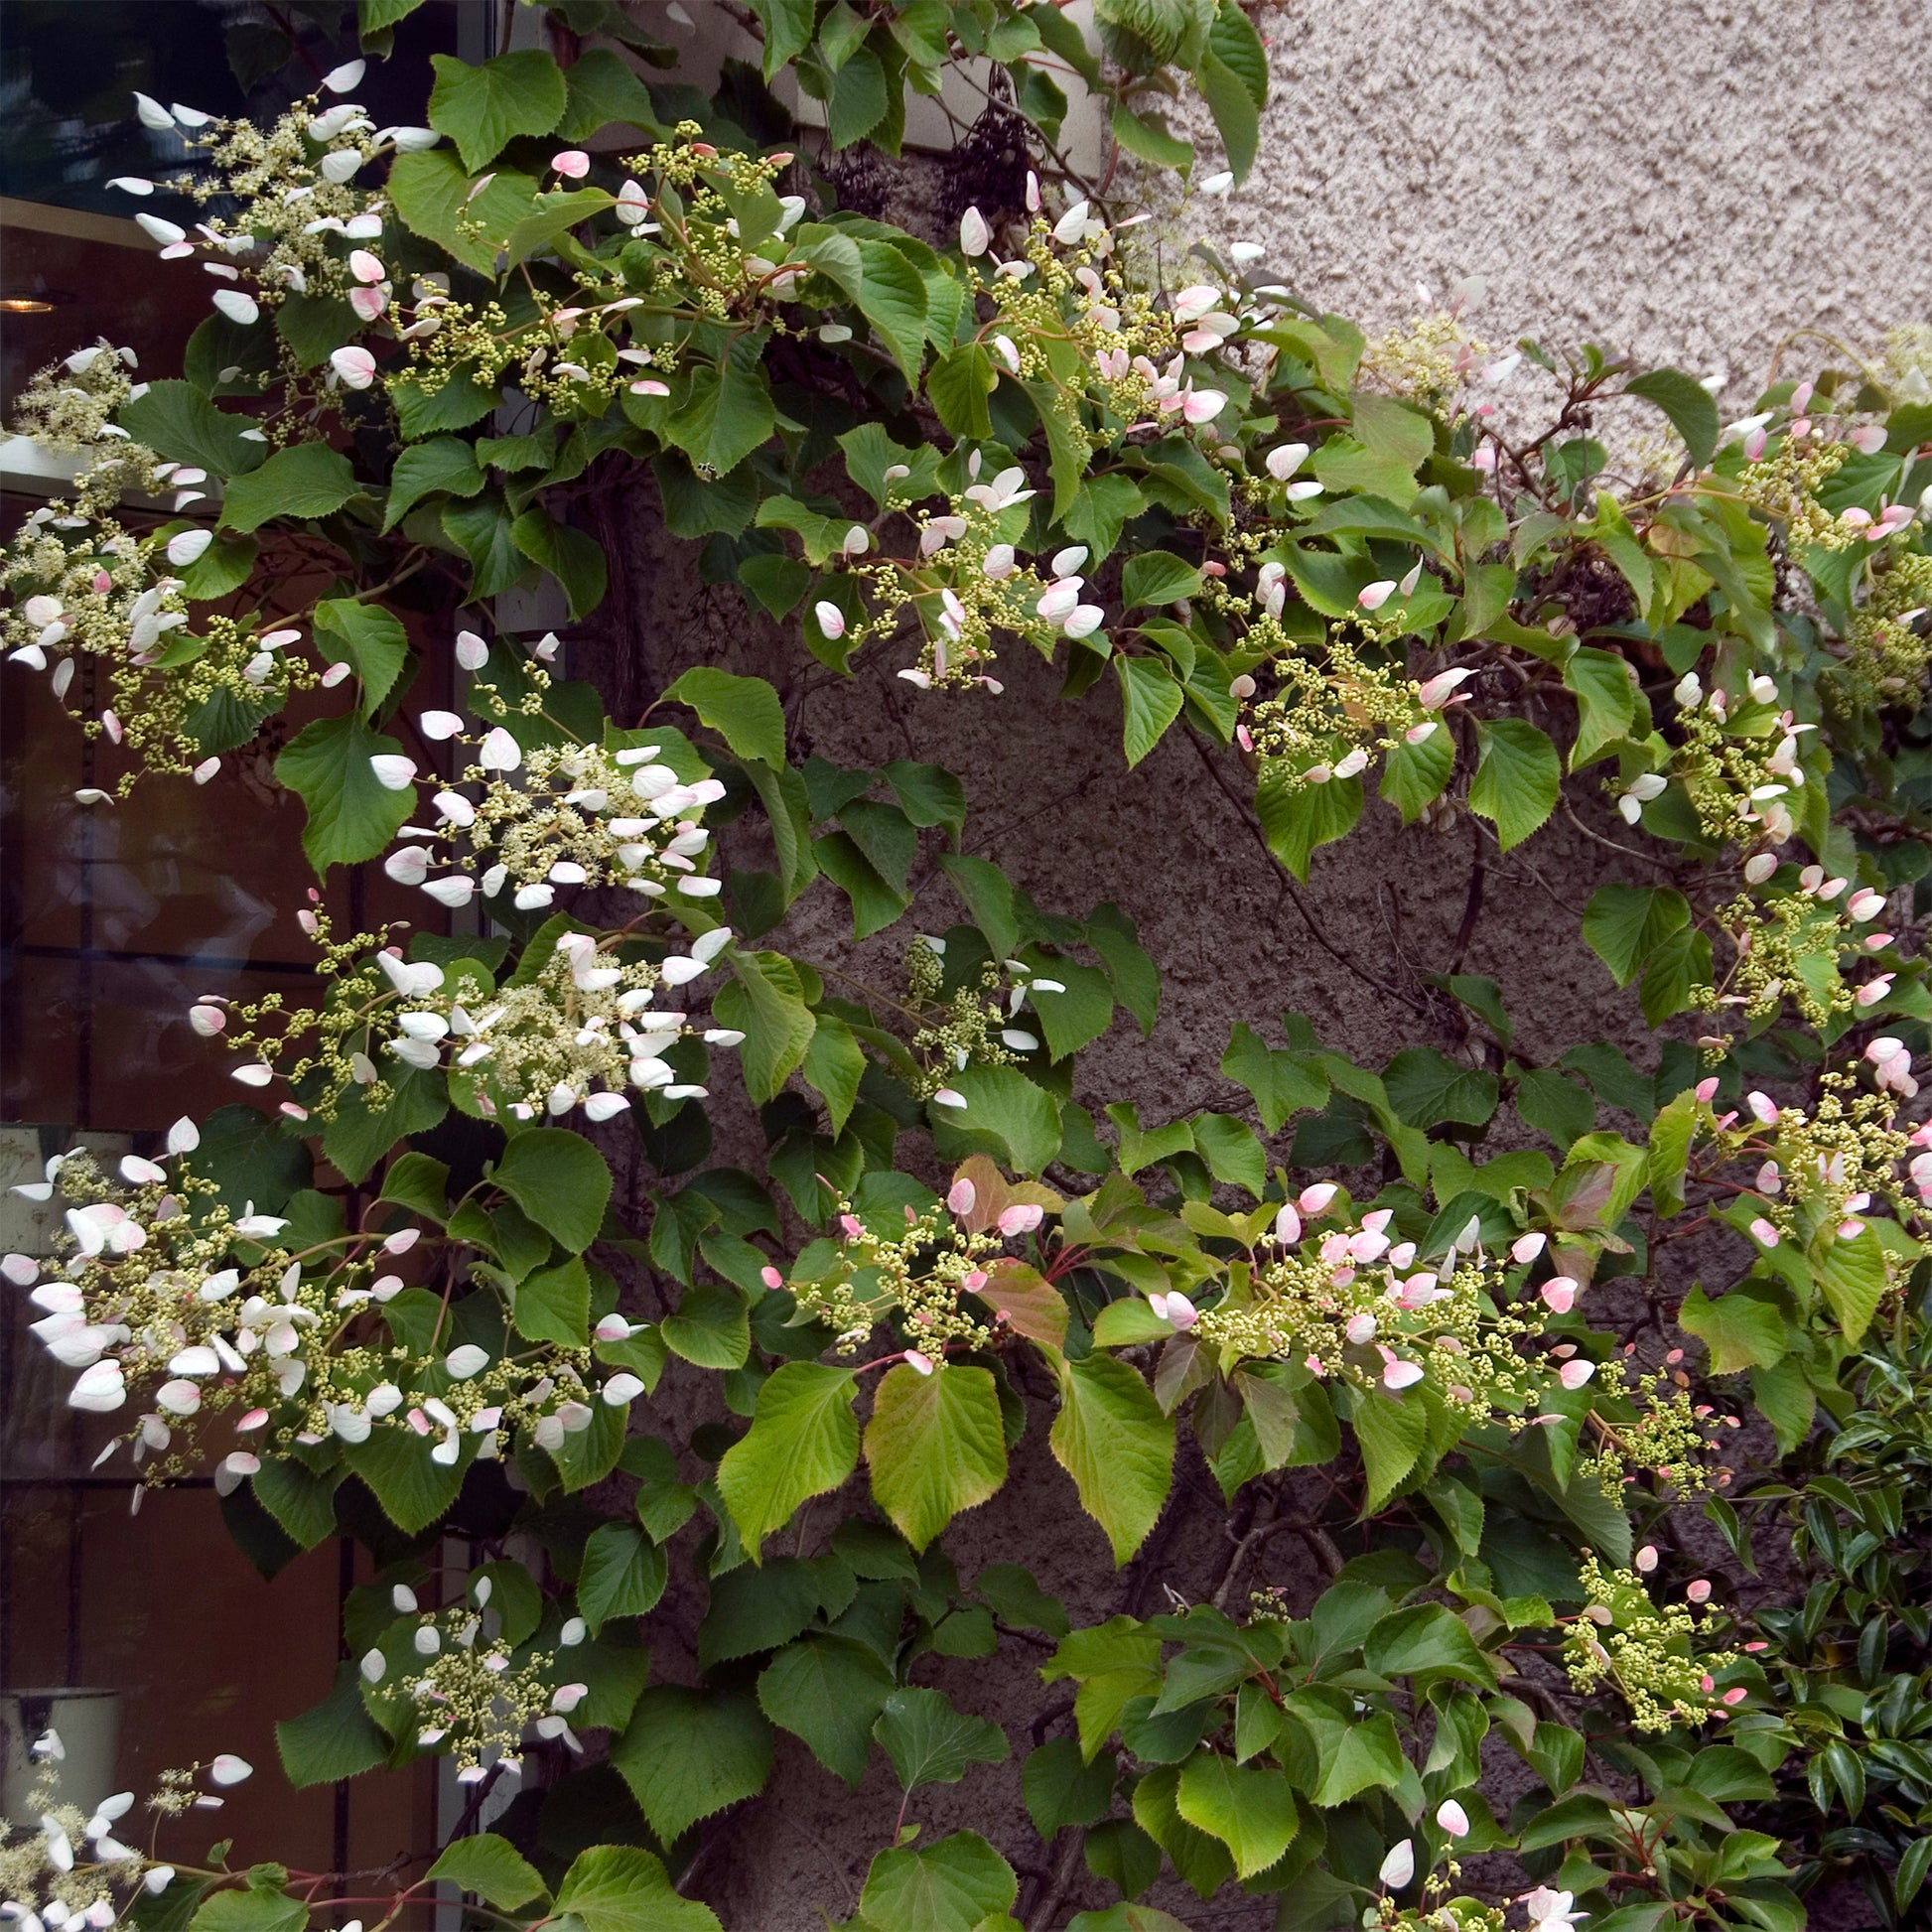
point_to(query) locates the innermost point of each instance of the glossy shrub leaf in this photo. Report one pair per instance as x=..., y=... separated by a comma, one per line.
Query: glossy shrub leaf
x=954, y=1885
x=1517, y=778
x=1062, y=1788
x=686, y=1754
x=484, y=105
x=1737, y=1330
x=1249, y=1808
x=934, y=1445
x=929, y=1741
x=1624, y=924
x=828, y=1689
x=353, y=816
x=1149, y=702
x=744, y=711
x=366, y=637
x=560, y=1180
x=624, y=1574
x=491, y=1868
x=336, y=1739
x=1113, y=1440
x=625, y=1889
x=1691, y=407
x=304, y=481
x=803, y=1441
x=444, y=466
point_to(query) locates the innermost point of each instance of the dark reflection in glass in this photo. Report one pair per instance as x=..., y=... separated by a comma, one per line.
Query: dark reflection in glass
x=114, y=918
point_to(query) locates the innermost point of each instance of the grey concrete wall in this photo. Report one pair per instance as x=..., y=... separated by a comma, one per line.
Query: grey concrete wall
x=1685, y=182
x=1681, y=183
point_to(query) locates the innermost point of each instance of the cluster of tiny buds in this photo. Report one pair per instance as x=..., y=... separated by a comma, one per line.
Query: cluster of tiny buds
x=583, y=1018
x=1836, y=1161
x=70, y=1872
x=585, y=837
x=476, y=1697
x=1620, y=1636
x=922, y=1273
x=1359, y=1307
x=151, y=1294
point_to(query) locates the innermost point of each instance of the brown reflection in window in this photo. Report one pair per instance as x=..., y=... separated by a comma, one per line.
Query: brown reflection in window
x=113, y=919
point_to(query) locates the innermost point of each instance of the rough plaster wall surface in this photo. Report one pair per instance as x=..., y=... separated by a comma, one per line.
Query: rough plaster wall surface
x=1049, y=801
x=1685, y=184
x=1681, y=185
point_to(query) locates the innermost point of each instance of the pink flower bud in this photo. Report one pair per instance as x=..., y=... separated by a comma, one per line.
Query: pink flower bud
x=1436, y=692
x=914, y=1360
x=962, y=1197
x=1020, y=1219
x=1452, y=1818
x=1698, y=1590
x=1560, y=1296
x=573, y=164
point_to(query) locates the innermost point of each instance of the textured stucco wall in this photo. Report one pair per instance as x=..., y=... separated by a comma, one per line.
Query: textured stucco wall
x=1683, y=182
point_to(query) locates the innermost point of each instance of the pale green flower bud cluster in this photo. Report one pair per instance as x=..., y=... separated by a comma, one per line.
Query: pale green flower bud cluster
x=1669, y=1436
x=919, y=1274
x=1888, y=646
x=1330, y=714
x=1428, y=359
x=1820, y=1173
x=1350, y=1306
x=1655, y=1658
x=970, y=1031
x=560, y=815
x=474, y=1698
x=160, y=1290
x=575, y=1034
x=82, y=583
x=967, y=584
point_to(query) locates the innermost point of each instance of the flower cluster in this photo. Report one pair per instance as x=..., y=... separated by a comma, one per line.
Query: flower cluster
x=159, y=1288
x=1329, y=716
x=1740, y=763
x=1353, y=1304
x=548, y=815
x=921, y=1273
x=1666, y=1434
x=85, y=587
x=1819, y=1172
x=292, y=188
x=973, y=1029
x=71, y=1869
x=967, y=584
x=1656, y=1658
x=474, y=1695
x=1791, y=942
x=574, y=1032
x=1432, y=356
